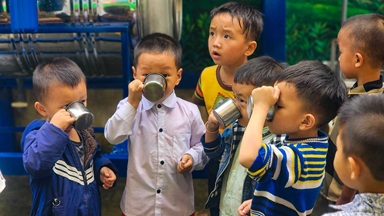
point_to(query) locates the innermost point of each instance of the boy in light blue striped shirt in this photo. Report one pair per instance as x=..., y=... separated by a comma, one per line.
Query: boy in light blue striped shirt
x=306, y=97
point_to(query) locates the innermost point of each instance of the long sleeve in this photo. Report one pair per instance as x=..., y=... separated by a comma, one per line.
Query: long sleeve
x=119, y=126
x=42, y=148
x=197, y=150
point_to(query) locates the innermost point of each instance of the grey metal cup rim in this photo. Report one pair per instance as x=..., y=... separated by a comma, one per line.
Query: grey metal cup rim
x=270, y=114
x=227, y=113
x=84, y=118
x=155, y=85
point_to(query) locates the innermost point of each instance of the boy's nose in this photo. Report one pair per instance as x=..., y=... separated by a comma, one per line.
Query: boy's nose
x=217, y=43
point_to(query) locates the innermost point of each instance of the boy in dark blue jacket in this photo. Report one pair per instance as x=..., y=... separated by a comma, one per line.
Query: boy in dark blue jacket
x=64, y=163
x=233, y=186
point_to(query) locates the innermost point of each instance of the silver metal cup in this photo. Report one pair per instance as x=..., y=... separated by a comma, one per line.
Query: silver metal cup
x=83, y=117
x=227, y=112
x=270, y=114
x=154, y=87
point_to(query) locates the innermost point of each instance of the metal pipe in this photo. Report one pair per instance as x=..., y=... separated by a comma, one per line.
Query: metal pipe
x=344, y=10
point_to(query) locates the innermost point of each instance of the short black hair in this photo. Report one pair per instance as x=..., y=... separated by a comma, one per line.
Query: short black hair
x=361, y=120
x=250, y=19
x=367, y=34
x=322, y=90
x=60, y=70
x=258, y=71
x=156, y=43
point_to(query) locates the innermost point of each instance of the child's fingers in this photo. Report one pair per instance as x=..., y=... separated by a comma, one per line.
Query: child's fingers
x=188, y=163
x=180, y=167
x=276, y=92
x=108, y=184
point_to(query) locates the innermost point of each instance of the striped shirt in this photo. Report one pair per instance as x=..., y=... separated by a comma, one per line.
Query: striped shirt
x=290, y=175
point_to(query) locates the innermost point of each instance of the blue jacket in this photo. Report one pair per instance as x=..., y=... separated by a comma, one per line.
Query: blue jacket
x=60, y=184
x=221, y=150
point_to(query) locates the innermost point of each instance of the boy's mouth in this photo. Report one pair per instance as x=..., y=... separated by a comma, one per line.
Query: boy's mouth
x=216, y=54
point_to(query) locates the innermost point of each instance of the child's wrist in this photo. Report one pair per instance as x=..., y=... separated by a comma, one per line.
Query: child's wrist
x=209, y=129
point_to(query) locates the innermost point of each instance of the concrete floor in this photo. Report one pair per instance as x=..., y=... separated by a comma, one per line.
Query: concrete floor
x=15, y=200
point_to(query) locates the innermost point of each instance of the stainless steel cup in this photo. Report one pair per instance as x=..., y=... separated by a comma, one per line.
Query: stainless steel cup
x=154, y=87
x=83, y=117
x=227, y=112
x=270, y=114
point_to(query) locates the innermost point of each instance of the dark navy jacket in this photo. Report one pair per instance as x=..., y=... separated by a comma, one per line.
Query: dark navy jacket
x=60, y=184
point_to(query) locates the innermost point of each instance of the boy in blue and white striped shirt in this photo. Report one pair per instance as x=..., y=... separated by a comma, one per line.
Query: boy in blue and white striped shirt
x=306, y=97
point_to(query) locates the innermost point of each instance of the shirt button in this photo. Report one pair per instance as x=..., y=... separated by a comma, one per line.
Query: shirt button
x=161, y=162
x=158, y=191
x=159, y=106
x=56, y=202
x=161, y=130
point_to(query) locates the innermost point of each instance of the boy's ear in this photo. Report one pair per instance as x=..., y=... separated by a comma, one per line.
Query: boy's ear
x=134, y=72
x=355, y=167
x=308, y=122
x=40, y=109
x=358, y=60
x=179, y=75
x=252, y=45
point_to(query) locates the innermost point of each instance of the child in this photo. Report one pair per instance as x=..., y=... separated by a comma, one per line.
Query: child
x=65, y=165
x=232, y=185
x=359, y=59
x=164, y=136
x=306, y=96
x=233, y=32
x=360, y=149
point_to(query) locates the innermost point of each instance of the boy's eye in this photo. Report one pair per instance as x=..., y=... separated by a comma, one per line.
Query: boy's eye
x=227, y=36
x=211, y=33
x=240, y=100
x=165, y=75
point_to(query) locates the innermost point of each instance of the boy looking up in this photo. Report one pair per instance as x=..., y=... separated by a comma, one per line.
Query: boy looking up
x=233, y=34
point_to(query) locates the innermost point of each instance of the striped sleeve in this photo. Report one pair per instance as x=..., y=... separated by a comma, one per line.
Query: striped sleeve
x=198, y=96
x=298, y=165
x=277, y=163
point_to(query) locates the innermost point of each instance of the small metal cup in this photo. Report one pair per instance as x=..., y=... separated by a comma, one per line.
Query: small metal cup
x=83, y=117
x=227, y=112
x=154, y=87
x=270, y=114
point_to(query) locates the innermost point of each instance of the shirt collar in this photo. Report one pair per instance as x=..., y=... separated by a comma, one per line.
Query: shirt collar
x=169, y=102
x=322, y=137
x=366, y=87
